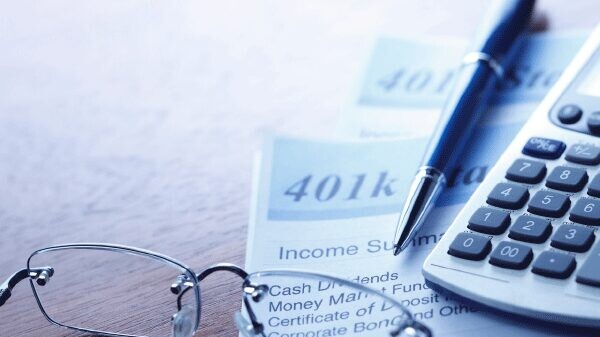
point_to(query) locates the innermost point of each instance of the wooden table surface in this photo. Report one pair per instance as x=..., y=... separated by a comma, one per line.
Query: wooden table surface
x=136, y=122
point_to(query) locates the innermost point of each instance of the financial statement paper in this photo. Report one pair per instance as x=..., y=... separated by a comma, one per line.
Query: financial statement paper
x=332, y=206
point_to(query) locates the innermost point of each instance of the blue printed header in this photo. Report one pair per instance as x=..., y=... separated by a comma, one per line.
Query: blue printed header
x=420, y=73
x=329, y=180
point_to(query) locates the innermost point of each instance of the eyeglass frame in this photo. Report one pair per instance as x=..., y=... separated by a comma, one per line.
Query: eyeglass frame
x=248, y=289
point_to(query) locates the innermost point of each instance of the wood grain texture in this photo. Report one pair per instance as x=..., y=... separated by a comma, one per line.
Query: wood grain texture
x=136, y=122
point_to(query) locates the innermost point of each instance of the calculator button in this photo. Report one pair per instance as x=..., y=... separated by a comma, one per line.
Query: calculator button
x=554, y=264
x=549, y=203
x=584, y=154
x=489, y=221
x=586, y=211
x=594, y=186
x=589, y=273
x=569, y=114
x=470, y=246
x=530, y=229
x=570, y=179
x=593, y=123
x=511, y=255
x=544, y=148
x=507, y=195
x=573, y=238
x=526, y=171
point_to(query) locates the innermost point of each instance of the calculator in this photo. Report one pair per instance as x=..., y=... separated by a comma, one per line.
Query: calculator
x=527, y=241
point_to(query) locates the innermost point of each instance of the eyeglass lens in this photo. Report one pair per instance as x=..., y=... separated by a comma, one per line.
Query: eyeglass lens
x=109, y=291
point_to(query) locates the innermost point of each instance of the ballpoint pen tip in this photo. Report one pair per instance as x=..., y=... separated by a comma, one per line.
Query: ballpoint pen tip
x=397, y=250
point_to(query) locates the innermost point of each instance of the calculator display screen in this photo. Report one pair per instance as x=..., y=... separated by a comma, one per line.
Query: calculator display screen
x=590, y=84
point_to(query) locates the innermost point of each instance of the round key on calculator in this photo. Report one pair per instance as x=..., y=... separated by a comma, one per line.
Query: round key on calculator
x=593, y=122
x=570, y=114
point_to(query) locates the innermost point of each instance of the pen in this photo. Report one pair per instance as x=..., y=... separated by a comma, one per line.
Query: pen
x=473, y=86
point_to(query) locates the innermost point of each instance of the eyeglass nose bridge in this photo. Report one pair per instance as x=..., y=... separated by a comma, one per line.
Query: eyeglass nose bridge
x=253, y=291
x=179, y=287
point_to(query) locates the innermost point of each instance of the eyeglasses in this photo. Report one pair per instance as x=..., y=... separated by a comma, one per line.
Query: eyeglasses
x=122, y=291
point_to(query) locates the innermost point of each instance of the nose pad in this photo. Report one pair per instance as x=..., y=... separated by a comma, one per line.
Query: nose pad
x=183, y=322
x=245, y=327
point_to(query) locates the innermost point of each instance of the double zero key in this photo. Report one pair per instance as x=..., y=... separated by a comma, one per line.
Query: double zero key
x=511, y=255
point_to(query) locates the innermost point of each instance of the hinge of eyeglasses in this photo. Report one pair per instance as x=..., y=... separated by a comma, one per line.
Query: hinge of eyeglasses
x=10, y=283
x=182, y=282
x=256, y=291
x=41, y=275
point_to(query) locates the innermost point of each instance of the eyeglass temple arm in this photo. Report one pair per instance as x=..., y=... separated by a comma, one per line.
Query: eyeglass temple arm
x=8, y=285
x=41, y=275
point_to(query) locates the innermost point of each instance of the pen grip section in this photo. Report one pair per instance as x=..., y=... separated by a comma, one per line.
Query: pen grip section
x=424, y=190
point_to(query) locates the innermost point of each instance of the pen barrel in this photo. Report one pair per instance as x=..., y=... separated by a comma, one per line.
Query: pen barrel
x=467, y=101
x=501, y=24
x=494, y=49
